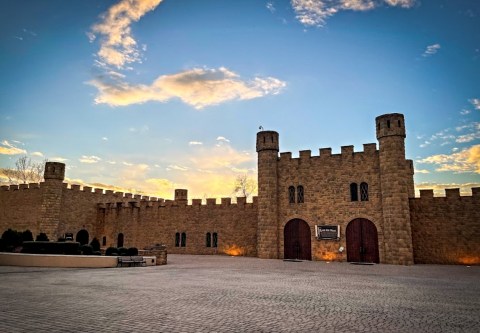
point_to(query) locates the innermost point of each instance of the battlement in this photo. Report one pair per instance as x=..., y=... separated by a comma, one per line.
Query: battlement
x=210, y=203
x=34, y=186
x=369, y=149
x=450, y=193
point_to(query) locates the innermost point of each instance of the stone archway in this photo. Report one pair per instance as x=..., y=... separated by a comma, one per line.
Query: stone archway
x=362, y=241
x=297, y=240
x=82, y=237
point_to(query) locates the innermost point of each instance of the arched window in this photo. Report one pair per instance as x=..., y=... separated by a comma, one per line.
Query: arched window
x=291, y=194
x=104, y=241
x=354, y=192
x=215, y=239
x=177, y=239
x=183, y=241
x=209, y=239
x=300, y=196
x=364, y=191
x=120, y=240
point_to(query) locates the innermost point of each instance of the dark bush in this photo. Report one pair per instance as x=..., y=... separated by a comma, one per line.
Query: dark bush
x=86, y=250
x=122, y=251
x=111, y=251
x=27, y=236
x=132, y=251
x=95, y=244
x=61, y=239
x=97, y=253
x=42, y=237
x=11, y=239
x=42, y=247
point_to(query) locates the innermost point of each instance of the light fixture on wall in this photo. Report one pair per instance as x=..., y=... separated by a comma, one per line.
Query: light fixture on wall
x=340, y=249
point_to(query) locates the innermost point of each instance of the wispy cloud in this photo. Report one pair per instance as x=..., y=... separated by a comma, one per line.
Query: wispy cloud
x=475, y=102
x=316, y=12
x=198, y=87
x=89, y=159
x=195, y=143
x=222, y=138
x=439, y=189
x=177, y=168
x=37, y=153
x=466, y=160
x=431, y=50
x=58, y=159
x=270, y=6
x=8, y=148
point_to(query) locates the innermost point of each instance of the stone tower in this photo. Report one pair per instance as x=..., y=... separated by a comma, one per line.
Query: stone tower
x=52, y=199
x=395, y=181
x=267, y=230
x=181, y=196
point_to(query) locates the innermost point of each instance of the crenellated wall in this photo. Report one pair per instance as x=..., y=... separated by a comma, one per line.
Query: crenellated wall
x=145, y=223
x=326, y=181
x=446, y=230
x=20, y=206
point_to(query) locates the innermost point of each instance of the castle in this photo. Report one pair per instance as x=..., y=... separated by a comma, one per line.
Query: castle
x=353, y=206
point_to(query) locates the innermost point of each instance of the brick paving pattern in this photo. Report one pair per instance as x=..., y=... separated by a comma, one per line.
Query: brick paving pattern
x=238, y=294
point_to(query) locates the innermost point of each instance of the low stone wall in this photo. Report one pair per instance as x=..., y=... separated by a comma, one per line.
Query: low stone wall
x=55, y=260
x=159, y=251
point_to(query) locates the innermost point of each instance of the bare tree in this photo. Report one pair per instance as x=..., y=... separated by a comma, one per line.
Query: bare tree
x=244, y=186
x=25, y=171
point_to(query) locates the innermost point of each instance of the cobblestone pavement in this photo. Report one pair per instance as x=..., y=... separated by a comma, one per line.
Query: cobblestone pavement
x=232, y=294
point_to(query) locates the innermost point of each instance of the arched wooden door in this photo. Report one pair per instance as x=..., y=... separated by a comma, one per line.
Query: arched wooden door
x=82, y=237
x=120, y=240
x=362, y=241
x=297, y=241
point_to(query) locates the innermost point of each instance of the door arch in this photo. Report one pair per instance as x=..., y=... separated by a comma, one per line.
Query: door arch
x=120, y=240
x=362, y=241
x=82, y=237
x=297, y=240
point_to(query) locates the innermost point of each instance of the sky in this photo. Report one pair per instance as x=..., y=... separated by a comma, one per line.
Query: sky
x=153, y=95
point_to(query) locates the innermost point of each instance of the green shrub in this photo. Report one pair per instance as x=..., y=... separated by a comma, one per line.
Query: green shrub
x=43, y=247
x=132, y=251
x=95, y=244
x=42, y=237
x=122, y=251
x=111, y=251
x=86, y=250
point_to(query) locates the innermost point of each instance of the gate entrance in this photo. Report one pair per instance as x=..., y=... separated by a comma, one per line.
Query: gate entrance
x=297, y=241
x=362, y=241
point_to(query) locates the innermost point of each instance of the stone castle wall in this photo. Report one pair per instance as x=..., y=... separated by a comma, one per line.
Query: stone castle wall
x=156, y=222
x=446, y=230
x=19, y=207
x=326, y=181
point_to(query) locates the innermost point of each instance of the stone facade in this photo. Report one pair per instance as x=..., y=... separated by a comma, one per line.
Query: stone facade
x=367, y=196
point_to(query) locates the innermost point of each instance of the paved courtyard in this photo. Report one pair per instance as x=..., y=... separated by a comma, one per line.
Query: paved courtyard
x=236, y=294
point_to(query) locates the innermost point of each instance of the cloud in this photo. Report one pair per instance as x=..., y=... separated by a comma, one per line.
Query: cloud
x=198, y=87
x=222, y=138
x=37, y=153
x=431, y=50
x=464, y=112
x=475, y=102
x=468, y=137
x=176, y=167
x=270, y=6
x=195, y=143
x=89, y=159
x=105, y=138
x=316, y=12
x=117, y=45
x=424, y=171
x=8, y=148
x=466, y=160
x=58, y=159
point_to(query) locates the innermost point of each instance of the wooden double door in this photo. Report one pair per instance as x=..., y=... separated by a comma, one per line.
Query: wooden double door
x=297, y=240
x=362, y=241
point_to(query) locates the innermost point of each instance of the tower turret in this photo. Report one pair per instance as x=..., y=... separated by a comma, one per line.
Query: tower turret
x=52, y=191
x=395, y=181
x=181, y=196
x=267, y=230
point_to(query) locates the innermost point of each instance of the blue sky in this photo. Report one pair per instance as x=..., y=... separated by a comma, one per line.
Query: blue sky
x=155, y=95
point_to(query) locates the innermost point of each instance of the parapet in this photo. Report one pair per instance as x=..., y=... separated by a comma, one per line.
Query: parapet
x=369, y=149
x=450, y=193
